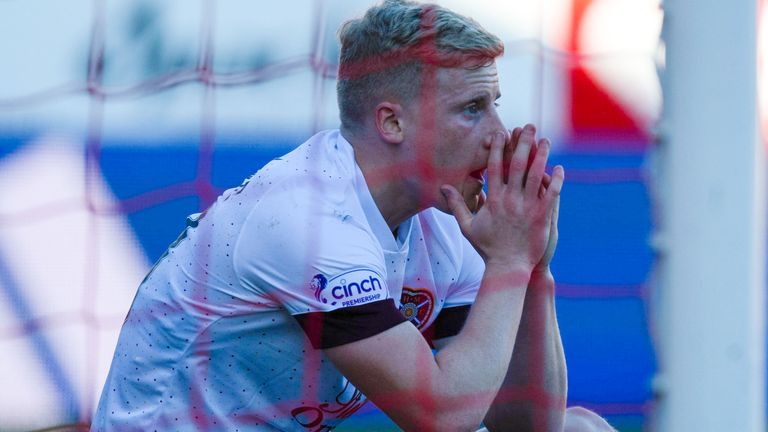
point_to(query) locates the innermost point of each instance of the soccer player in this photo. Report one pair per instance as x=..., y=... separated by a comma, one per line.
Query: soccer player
x=321, y=281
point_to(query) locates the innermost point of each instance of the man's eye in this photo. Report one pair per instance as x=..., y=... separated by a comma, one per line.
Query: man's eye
x=472, y=109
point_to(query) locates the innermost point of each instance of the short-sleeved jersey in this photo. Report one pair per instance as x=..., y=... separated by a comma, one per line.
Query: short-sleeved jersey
x=226, y=332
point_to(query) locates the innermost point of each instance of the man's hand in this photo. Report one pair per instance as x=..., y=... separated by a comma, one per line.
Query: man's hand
x=513, y=226
x=542, y=267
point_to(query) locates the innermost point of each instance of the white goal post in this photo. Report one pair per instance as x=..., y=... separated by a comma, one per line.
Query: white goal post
x=711, y=242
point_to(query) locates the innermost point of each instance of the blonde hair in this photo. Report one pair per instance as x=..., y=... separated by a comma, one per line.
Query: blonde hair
x=383, y=54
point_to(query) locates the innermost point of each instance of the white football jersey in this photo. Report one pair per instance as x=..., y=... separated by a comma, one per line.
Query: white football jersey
x=226, y=332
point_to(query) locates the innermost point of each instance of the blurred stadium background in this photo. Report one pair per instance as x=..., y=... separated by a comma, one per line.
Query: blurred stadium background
x=120, y=117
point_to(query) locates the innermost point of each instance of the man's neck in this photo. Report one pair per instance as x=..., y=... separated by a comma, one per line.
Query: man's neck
x=389, y=187
x=390, y=193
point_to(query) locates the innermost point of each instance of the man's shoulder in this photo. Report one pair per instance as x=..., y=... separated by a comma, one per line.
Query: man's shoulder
x=321, y=165
x=314, y=185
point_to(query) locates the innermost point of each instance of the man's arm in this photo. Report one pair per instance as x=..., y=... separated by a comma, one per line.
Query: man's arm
x=449, y=391
x=454, y=389
x=533, y=395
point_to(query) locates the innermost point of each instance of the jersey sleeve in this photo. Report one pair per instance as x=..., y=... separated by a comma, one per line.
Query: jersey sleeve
x=314, y=256
x=449, y=322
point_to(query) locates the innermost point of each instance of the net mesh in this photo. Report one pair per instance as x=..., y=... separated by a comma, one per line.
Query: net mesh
x=44, y=330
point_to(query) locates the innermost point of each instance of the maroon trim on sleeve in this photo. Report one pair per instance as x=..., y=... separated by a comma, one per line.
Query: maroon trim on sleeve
x=349, y=324
x=448, y=323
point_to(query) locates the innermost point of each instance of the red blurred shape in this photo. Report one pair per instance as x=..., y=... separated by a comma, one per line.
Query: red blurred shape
x=598, y=121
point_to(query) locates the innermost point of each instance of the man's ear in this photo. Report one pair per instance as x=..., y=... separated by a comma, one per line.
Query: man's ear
x=389, y=122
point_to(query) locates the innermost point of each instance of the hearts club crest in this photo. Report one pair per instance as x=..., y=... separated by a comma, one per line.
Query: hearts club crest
x=417, y=305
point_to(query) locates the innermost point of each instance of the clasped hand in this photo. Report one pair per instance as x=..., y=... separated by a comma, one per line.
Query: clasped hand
x=517, y=223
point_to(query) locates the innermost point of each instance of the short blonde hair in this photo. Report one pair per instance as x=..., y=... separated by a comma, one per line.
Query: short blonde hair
x=383, y=54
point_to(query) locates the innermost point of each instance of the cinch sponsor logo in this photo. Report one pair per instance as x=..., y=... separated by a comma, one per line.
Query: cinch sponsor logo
x=351, y=288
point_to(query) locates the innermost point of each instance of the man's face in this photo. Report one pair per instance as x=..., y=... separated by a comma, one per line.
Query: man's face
x=457, y=113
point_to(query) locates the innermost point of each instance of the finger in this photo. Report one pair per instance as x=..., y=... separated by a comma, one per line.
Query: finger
x=545, y=180
x=509, y=149
x=514, y=137
x=518, y=166
x=534, y=150
x=558, y=177
x=537, y=167
x=555, y=212
x=458, y=207
x=495, y=163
